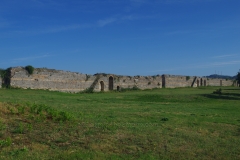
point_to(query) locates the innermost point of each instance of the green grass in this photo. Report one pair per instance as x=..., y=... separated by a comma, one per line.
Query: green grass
x=181, y=123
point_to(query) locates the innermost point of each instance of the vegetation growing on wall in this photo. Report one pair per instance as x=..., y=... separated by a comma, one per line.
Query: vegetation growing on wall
x=134, y=88
x=187, y=78
x=2, y=72
x=30, y=69
x=103, y=74
x=6, y=77
x=154, y=77
x=91, y=88
x=87, y=77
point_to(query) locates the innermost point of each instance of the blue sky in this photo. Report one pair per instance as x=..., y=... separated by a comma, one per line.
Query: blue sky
x=125, y=37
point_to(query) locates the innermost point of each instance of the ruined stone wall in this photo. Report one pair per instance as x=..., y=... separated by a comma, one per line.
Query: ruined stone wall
x=53, y=80
x=235, y=84
x=219, y=82
x=64, y=81
x=214, y=82
x=178, y=81
x=142, y=82
x=149, y=82
x=0, y=82
x=186, y=81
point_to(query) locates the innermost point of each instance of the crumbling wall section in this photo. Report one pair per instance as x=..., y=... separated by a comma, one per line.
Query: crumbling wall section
x=141, y=82
x=53, y=80
x=147, y=82
x=120, y=82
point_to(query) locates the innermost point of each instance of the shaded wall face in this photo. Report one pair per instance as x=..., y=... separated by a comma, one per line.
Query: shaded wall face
x=102, y=86
x=163, y=81
x=110, y=83
x=205, y=82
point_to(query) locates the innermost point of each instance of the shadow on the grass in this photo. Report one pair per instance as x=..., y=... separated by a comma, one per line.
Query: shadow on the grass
x=225, y=96
x=232, y=89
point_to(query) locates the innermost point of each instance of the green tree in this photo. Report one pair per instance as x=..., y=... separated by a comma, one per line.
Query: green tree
x=238, y=78
x=30, y=69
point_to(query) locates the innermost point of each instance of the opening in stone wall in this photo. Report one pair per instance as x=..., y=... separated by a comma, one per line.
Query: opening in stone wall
x=201, y=82
x=205, y=83
x=197, y=83
x=110, y=83
x=118, y=88
x=102, y=85
x=220, y=82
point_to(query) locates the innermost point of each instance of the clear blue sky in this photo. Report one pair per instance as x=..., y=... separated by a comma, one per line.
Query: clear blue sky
x=126, y=37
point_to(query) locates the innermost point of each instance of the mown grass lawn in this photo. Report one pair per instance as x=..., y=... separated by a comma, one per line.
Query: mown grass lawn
x=181, y=123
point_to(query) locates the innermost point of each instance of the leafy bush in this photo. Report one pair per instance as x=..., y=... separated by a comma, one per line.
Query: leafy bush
x=218, y=91
x=134, y=88
x=2, y=72
x=164, y=119
x=30, y=69
x=88, y=90
x=154, y=77
x=238, y=77
x=6, y=74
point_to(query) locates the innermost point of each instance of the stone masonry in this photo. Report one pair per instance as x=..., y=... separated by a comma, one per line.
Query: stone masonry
x=64, y=81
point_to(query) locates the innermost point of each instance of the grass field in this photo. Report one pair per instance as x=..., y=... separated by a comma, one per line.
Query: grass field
x=181, y=123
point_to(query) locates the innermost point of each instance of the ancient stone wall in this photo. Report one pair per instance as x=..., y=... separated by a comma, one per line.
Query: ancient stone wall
x=178, y=81
x=53, y=80
x=235, y=84
x=214, y=82
x=142, y=82
x=119, y=82
x=64, y=81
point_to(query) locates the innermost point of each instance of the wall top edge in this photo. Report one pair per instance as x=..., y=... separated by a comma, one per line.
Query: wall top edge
x=18, y=68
